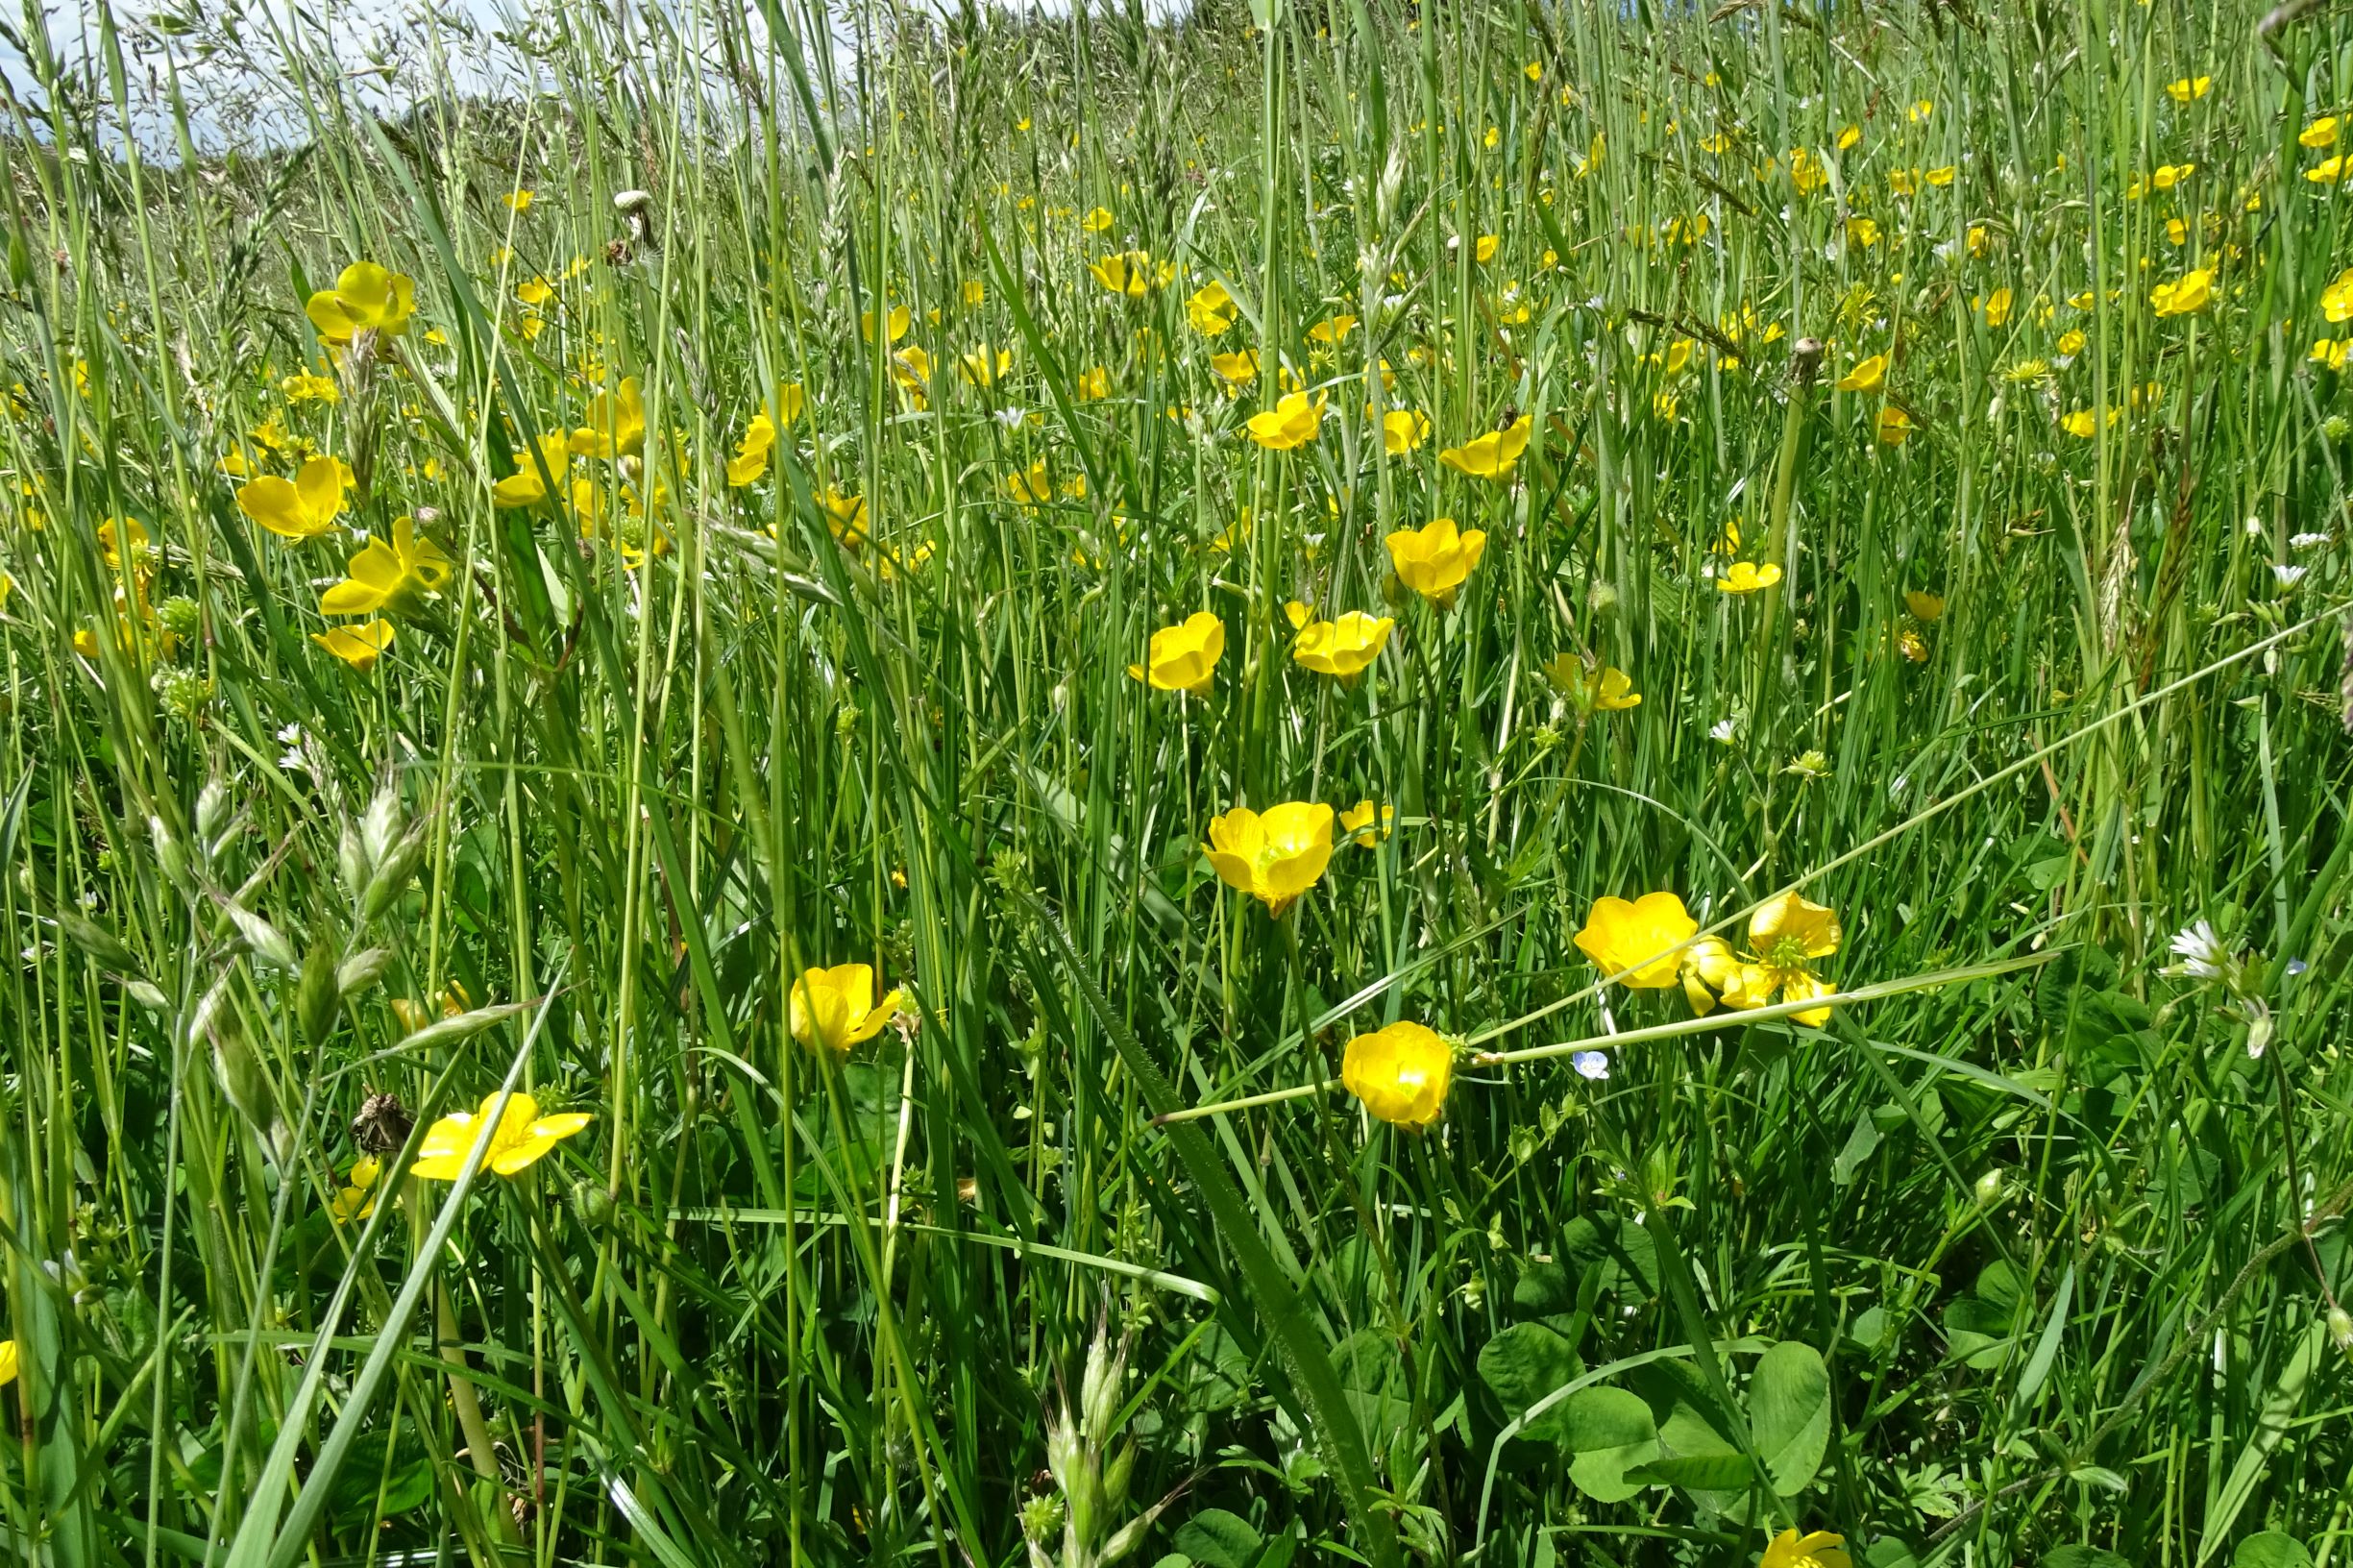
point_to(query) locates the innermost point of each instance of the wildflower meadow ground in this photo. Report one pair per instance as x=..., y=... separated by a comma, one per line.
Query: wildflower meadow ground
x=1245, y=784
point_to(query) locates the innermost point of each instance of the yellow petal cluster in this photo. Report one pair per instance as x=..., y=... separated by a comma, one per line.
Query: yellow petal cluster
x=1400, y=1073
x=1183, y=657
x=1434, y=560
x=1492, y=456
x=834, y=1009
x=1276, y=857
x=1345, y=647
x=519, y=1137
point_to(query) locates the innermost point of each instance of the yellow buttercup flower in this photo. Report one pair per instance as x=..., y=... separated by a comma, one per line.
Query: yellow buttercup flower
x=527, y=486
x=2188, y=88
x=2321, y=132
x=1093, y=385
x=984, y=367
x=1786, y=934
x=1183, y=657
x=1400, y=1073
x=1608, y=690
x=1924, y=605
x=896, y=323
x=365, y=299
x=752, y=453
x=845, y=516
x=1330, y=330
x=2337, y=300
x=1403, y=430
x=1096, y=221
x=122, y=537
x=834, y=1009
x=1235, y=367
x=1483, y=251
x=356, y=645
x=1211, y=309
x=911, y=371
x=1816, y=1549
x=1276, y=857
x=1434, y=560
x=2184, y=295
x=1997, y=308
x=2327, y=172
x=8, y=1363
x=357, y=1201
x=1490, y=457
x=1747, y=577
x=302, y=507
x=1893, y=427
x=1360, y=822
x=1343, y=646
x=1132, y=273
x=520, y=1139
x=1641, y=938
x=392, y=576
x=1291, y=423
x=1031, y=488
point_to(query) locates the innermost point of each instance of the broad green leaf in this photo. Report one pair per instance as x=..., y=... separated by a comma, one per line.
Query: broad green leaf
x=2271, y=1549
x=1789, y=1414
x=1524, y=1364
x=1609, y=1432
x=1215, y=1538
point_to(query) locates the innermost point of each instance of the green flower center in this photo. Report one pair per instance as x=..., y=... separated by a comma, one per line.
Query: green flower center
x=1786, y=953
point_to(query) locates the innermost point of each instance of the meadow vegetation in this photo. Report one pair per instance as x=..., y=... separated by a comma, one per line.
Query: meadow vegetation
x=1326, y=783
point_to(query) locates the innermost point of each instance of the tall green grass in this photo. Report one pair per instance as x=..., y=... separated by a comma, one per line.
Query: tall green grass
x=2034, y=1266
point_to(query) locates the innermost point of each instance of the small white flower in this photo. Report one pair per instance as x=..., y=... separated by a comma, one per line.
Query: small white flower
x=1009, y=418
x=2308, y=541
x=2201, y=952
x=2254, y=528
x=1723, y=730
x=1593, y=1065
x=2288, y=575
